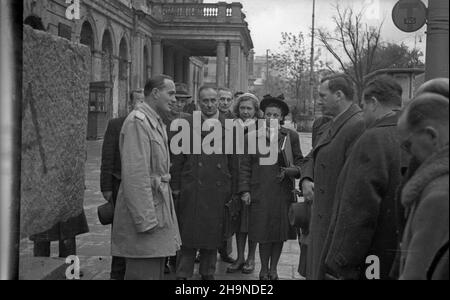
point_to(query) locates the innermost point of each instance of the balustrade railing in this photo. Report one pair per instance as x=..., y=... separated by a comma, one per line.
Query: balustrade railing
x=180, y=11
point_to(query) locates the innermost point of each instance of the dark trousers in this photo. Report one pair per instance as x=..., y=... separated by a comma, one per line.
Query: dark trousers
x=66, y=248
x=118, y=264
x=186, y=262
x=145, y=268
x=227, y=248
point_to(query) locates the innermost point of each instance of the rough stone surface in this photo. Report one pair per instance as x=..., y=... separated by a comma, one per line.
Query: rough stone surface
x=56, y=75
x=42, y=268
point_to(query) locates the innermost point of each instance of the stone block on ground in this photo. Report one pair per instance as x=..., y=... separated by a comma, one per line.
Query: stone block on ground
x=56, y=76
x=42, y=268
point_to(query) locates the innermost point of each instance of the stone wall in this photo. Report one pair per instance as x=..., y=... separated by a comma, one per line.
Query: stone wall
x=56, y=76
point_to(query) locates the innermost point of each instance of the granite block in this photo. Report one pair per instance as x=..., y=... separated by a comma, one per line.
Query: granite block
x=56, y=76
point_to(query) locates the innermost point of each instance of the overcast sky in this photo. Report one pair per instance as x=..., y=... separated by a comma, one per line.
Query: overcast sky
x=269, y=18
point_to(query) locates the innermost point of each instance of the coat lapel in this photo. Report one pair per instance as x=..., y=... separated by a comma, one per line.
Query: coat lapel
x=282, y=133
x=333, y=127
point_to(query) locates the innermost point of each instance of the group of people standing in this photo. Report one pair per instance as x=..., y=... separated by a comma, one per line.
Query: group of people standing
x=169, y=205
x=377, y=181
x=180, y=205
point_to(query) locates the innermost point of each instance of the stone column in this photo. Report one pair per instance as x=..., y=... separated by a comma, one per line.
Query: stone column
x=235, y=76
x=97, y=57
x=115, y=91
x=157, y=57
x=251, y=60
x=186, y=69
x=437, y=61
x=221, y=57
x=136, y=62
x=245, y=72
x=179, y=67
x=169, y=61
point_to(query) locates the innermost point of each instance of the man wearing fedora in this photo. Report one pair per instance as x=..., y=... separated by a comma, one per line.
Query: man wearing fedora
x=145, y=229
x=323, y=166
x=184, y=101
x=203, y=183
x=110, y=176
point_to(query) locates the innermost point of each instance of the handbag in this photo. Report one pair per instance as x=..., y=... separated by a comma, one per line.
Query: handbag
x=231, y=217
x=105, y=213
x=300, y=215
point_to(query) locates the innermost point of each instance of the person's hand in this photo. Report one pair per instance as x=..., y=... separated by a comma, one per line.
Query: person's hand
x=328, y=276
x=291, y=172
x=246, y=198
x=308, y=190
x=108, y=196
x=151, y=230
x=176, y=193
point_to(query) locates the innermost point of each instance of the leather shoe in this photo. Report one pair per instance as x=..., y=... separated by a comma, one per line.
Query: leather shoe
x=197, y=258
x=273, y=277
x=166, y=269
x=264, y=277
x=208, y=277
x=249, y=267
x=227, y=259
x=235, y=267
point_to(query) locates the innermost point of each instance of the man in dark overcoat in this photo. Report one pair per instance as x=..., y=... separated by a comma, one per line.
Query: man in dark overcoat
x=364, y=215
x=322, y=168
x=318, y=128
x=203, y=185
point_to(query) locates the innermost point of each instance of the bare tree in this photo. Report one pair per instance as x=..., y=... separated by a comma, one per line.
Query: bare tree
x=292, y=65
x=353, y=44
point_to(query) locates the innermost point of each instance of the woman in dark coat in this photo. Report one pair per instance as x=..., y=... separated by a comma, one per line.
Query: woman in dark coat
x=269, y=191
x=247, y=112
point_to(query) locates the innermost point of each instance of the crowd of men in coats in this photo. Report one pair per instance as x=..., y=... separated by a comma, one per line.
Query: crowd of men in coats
x=376, y=184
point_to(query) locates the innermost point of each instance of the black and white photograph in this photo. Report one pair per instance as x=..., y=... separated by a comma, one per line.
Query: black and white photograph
x=203, y=141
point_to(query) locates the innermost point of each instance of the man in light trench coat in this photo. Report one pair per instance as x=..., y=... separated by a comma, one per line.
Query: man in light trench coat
x=145, y=229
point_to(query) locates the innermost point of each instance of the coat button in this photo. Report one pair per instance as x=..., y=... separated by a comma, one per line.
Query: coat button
x=200, y=164
x=219, y=166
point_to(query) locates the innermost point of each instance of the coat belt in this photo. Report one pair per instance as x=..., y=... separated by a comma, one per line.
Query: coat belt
x=162, y=178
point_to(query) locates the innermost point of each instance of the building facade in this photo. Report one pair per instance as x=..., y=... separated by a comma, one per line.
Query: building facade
x=132, y=40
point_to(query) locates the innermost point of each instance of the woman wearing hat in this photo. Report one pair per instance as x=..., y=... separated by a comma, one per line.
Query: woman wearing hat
x=268, y=189
x=247, y=112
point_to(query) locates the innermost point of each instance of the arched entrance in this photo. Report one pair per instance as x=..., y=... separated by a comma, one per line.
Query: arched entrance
x=107, y=62
x=87, y=38
x=123, y=78
x=35, y=22
x=101, y=96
